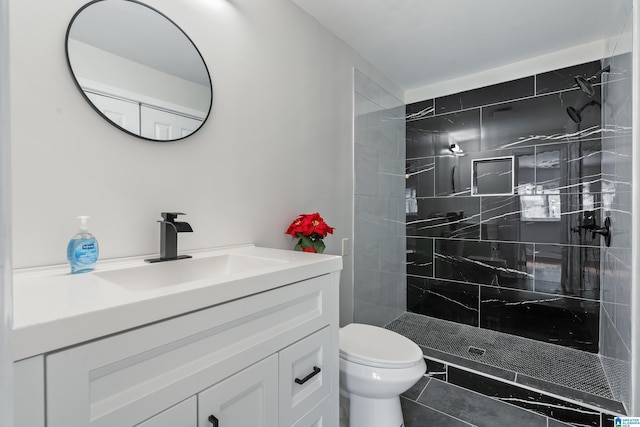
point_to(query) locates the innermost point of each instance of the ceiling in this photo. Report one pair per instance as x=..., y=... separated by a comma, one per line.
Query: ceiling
x=417, y=43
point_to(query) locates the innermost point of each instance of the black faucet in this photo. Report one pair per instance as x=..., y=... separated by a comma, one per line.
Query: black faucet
x=169, y=229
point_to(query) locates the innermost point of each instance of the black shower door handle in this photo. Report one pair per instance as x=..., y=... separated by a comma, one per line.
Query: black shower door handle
x=315, y=372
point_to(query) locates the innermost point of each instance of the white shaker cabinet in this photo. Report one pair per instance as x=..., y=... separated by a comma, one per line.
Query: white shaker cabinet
x=181, y=415
x=248, y=398
x=29, y=392
x=269, y=359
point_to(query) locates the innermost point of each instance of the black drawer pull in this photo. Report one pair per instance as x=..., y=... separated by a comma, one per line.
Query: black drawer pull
x=315, y=372
x=213, y=420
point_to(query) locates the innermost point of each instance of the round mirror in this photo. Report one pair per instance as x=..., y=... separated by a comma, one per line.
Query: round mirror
x=138, y=69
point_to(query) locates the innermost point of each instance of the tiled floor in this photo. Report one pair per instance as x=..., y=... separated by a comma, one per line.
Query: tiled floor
x=480, y=377
x=574, y=374
x=435, y=403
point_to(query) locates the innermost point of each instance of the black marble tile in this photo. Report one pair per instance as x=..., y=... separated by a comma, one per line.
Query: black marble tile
x=436, y=369
x=420, y=142
x=475, y=408
x=457, y=302
x=539, y=120
x=414, y=392
x=451, y=217
x=420, y=176
x=571, y=393
x=501, y=92
x=452, y=176
x=524, y=398
x=564, y=78
x=568, y=270
x=418, y=415
x=420, y=109
x=420, y=257
x=417, y=294
x=556, y=423
x=570, y=322
x=500, y=218
x=608, y=420
x=484, y=262
x=433, y=136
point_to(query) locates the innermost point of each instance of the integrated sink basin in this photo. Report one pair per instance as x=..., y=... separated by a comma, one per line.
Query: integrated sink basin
x=152, y=276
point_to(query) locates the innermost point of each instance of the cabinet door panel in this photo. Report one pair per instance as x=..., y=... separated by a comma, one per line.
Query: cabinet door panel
x=29, y=392
x=305, y=375
x=320, y=416
x=248, y=398
x=181, y=415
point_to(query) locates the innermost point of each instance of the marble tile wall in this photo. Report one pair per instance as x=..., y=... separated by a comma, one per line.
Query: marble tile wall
x=525, y=263
x=615, y=311
x=379, y=231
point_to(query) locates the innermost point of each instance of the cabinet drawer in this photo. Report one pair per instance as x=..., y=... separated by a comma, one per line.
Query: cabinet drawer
x=305, y=375
x=320, y=416
x=181, y=415
x=125, y=379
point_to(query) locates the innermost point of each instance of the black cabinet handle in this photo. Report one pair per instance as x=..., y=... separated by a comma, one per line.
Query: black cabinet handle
x=315, y=372
x=213, y=420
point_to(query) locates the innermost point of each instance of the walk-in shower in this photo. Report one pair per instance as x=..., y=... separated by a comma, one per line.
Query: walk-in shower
x=507, y=275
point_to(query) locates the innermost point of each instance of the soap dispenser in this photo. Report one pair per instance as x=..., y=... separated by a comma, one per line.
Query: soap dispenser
x=82, y=251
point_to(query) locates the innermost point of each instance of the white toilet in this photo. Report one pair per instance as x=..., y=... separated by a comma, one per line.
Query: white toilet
x=376, y=366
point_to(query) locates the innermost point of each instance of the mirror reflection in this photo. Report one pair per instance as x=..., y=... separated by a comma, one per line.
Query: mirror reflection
x=138, y=69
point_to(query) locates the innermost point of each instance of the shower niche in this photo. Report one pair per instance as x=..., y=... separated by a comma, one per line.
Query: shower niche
x=492, y=177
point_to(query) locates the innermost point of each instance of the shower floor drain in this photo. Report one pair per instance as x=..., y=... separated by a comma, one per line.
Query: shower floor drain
x=477, y=352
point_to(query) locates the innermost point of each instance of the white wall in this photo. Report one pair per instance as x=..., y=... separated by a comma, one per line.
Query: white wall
x=6, y=372
x=278, y=142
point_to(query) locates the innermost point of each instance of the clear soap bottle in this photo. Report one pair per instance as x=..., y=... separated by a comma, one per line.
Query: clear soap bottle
x=82, y=250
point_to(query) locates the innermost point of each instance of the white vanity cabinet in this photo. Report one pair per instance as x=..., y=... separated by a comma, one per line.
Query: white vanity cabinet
x=181, y=415
x=237, y=361
x=248, y=398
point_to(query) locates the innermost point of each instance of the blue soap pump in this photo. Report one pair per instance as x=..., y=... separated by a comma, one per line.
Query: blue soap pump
x=82, y=251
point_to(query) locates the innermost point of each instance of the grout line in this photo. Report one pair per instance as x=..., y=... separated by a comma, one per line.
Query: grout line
x=504, y=288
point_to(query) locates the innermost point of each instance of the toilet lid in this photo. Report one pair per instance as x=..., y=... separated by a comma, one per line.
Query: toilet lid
x=379, y=347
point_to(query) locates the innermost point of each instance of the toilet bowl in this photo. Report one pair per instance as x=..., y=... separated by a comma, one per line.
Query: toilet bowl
x=376, y=366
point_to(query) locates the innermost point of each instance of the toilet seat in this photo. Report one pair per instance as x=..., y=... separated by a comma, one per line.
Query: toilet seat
x=378, y=347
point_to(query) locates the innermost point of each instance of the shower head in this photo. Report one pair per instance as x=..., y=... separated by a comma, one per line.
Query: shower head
x=585, y=84
x=576, y=114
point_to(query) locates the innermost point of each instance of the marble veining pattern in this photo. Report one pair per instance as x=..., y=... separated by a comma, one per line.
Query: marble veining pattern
x=530, y=249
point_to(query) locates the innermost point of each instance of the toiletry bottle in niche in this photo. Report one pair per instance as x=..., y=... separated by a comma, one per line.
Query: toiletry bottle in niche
x=82, y=251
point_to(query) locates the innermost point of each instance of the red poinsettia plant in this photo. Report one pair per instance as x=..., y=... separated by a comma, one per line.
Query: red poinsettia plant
x=309, y=229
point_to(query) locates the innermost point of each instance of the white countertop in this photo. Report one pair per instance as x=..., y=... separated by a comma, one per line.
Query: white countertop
x=54, y=309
